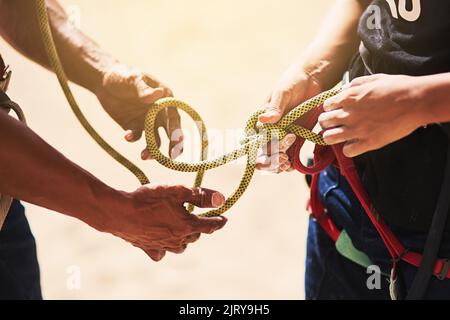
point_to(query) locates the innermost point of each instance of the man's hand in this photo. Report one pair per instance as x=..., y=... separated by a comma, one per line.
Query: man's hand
x=152, y=218
x=126, y=94
x=156, y=221
x=373, y=112
x=294, y=87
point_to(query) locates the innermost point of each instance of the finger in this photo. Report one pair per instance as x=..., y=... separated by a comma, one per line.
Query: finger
x=275, y=108
x=176, y=148
x=333, y=118
x=270, y=163
x=332, y=104
x=173, y=121
x=287, y=142
x=145, y=154
x=205, y=198
x=200, y=197
x=192, y=238
x=354, y=148
x=339, y=100
x=207, y=225
x=272, y=147
x=343, y=100
x=285, y=167
x=338, y=135
x=147, y=94
x=363, y=80
x=155, y=255
x=275, y=146
x=174, y=133
x=150, y=81
x=177, y=250
x=133, y=135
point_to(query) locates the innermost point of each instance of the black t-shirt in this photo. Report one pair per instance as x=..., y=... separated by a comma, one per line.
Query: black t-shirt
x=408, y=37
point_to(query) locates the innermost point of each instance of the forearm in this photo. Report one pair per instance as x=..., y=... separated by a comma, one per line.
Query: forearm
x=329, y=55
x=84, y=61
x=33, y=171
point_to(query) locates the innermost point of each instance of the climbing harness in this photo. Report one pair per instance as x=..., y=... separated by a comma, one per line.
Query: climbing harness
x=325, y=156
x=256, y=136
x=435, y=235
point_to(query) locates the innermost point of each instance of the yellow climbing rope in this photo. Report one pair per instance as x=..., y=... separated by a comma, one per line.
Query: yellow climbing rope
x=257, y=134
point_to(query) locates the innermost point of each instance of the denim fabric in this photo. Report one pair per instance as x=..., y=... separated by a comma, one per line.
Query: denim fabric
x=331, y=276
x=19, y=268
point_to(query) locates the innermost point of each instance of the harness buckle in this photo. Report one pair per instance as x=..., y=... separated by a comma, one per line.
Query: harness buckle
x=443, y=274
x=5, y=77
x=400, y=257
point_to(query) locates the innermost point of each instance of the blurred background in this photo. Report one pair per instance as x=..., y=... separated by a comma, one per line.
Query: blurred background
x=222, y=56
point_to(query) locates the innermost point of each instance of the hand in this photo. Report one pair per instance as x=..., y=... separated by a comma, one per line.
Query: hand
x=126, y=95
x=156, y=220
x=372, y=112
x=294, y=87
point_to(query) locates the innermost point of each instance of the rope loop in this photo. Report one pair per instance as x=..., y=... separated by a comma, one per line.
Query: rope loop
x=256, y=134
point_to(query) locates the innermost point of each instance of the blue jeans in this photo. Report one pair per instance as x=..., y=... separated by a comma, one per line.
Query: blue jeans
x=19, y=268
x=331, y=276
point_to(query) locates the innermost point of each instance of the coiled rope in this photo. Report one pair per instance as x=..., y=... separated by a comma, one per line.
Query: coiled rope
x=256, y=134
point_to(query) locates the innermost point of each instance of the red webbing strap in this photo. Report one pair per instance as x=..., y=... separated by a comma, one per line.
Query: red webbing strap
x=325, y=156
x=319, y=213
x=394, y=246
x=348, y=170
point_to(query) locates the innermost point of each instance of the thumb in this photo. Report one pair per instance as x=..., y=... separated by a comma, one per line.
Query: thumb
x=200, y=197
x=155, y=255
x=275, y=108
x=205, y=198
x=207, y=225
x=148, y=95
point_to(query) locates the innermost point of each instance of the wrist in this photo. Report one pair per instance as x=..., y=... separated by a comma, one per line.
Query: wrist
x=434, y=98
x=105, y=205
x=316, y=72
x=323, y=66
x=100, y=68
x=85, y=63
x=93, y=64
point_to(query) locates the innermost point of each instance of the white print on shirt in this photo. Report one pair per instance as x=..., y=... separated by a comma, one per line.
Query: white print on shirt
x=409, y=15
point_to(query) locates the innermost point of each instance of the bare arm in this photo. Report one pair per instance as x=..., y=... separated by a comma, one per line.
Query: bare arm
x=435, y=93
x=328, y=56
x=380, y=109
x=33, y=171
x=152, y=218
x=125, y=93
x=84, y=61
x=320, y=67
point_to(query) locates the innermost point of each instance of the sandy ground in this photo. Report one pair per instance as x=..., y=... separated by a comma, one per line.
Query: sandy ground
x=224, y=57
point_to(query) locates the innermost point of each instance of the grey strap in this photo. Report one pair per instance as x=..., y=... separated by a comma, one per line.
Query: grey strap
x=6, y=102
